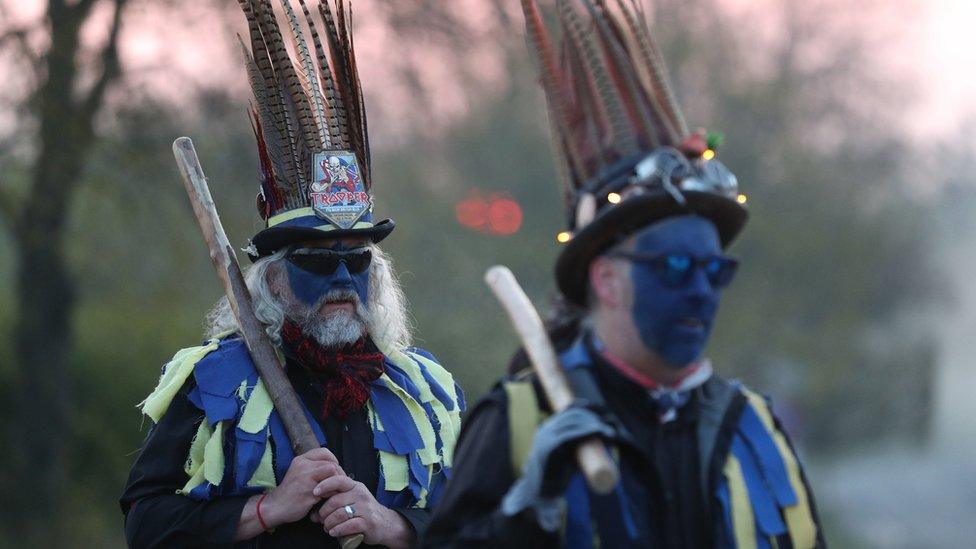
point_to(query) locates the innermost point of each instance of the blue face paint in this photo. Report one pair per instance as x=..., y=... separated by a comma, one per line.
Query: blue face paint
x=675, y=322
x=310, y=288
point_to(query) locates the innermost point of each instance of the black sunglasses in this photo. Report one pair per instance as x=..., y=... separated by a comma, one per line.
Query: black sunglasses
x=675, y=269
x=323, y=261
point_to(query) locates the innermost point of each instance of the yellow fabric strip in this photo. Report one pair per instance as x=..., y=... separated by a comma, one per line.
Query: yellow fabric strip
x=396, y=477
x=263, y=476
x=523, y=418
x=743, y=521
x=194, y=462
x=175, y=374
x=213, y=456
x=289, y=215
x=799, y=518
x=257, y=410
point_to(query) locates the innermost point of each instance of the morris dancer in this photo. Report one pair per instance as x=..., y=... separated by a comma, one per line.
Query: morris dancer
x=217, y=467
x=703, y=461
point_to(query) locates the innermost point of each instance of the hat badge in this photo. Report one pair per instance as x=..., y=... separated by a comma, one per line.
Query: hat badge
x=337, y=192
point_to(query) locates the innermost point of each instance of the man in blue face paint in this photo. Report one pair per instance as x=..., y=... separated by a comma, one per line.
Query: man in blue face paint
x=334, y=309
x=703, y=461
x=217, y=467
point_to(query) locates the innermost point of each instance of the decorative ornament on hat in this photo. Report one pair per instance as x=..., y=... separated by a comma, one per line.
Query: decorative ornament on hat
x=619, y=136
x=309, y=120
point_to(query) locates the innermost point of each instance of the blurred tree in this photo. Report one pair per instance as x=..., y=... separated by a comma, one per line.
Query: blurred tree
x=831, y=253
x=815, y=136
x=64, y=112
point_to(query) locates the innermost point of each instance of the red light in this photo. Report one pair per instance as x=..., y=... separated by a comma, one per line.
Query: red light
x=498, y=214
x=472, y=213
x=504, y=216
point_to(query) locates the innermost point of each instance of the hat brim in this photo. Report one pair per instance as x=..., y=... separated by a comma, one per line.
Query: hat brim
x=273, y=239
x=615, y=224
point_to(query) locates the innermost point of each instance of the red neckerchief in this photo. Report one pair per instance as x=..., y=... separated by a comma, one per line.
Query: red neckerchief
x=345, y=372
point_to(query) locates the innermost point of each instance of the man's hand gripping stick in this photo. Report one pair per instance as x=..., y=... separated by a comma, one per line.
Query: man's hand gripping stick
x=592, y=457
x=258, y=345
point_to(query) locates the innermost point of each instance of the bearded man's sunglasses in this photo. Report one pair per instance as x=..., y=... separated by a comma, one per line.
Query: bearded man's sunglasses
x=323, y=261
x=675, y=269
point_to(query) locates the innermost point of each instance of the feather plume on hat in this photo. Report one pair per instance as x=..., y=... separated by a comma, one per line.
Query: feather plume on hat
x=308, y=106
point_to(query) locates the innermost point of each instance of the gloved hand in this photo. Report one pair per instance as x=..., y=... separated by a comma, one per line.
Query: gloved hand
x=551, y=463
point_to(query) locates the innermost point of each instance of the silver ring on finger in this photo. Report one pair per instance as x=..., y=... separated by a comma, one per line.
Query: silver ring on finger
x=349, y=510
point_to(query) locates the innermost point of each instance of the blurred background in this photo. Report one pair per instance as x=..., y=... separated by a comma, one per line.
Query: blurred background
x=849, y=124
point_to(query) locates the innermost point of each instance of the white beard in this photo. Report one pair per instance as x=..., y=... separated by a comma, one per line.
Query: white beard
x=336, y=329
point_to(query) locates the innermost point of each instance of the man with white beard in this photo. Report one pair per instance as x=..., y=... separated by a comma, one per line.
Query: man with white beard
x=217, y=467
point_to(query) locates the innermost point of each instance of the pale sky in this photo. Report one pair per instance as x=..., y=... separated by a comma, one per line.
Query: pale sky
x=939, y=54
x=947, y=61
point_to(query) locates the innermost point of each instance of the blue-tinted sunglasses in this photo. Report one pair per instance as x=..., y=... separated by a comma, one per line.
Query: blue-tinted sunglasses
x=675, y=269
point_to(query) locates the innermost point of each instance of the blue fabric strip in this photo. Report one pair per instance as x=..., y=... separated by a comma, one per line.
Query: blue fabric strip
x=579, y=531
x=424, y=353
x=575, y=357
x=448, y=403
x=764, y=448
x=202, y=492
x=250, y=450
x=218, y=376
x=195, y=399
x=728, y=530
x=221, y=371
x=615, y=523
x=418, y=475
x=625, y=511
x=763, y=505
x=462, y=403
x=435, y=387
x=402, y=380
x=382, y=442
x=283, y=453
x=397, y=423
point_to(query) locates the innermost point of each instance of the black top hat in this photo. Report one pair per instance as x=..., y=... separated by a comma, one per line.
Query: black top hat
x=309, y=119
x=623, y=147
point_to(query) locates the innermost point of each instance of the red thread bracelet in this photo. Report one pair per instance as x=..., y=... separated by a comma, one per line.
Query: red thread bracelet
x=258, y=509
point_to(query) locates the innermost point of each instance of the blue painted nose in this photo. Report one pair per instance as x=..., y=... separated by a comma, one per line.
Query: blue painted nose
x=341, y=276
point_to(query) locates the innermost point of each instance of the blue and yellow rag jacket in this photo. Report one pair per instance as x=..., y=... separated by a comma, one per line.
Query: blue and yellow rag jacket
x=242, y=448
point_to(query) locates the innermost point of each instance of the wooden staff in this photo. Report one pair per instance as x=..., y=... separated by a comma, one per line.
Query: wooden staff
x=591, y=454
x=258, y=345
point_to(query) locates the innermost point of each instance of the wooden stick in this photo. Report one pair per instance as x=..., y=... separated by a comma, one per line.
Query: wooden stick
x=591, y=454
x=258, y=345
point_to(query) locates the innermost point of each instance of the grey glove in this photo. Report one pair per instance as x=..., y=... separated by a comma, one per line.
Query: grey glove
x=550, y=465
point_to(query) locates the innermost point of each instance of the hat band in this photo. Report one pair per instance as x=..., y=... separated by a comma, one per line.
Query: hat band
x=305, y=217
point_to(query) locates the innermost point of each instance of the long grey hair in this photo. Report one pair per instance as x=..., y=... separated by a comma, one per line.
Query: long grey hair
x=387, y=319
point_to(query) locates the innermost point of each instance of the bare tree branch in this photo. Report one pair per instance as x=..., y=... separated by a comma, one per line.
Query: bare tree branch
x=84, y=6
x=19, y=36
x=111, y=69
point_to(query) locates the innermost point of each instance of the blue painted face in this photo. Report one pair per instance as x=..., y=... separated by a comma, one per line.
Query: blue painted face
x=675, y=321
x=310, y=288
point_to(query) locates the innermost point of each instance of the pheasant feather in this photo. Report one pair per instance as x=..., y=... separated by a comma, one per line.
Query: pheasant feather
x=558, y=115
x=623, y=138
x=307, y=75
x=295, y=96
x=335, y=128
